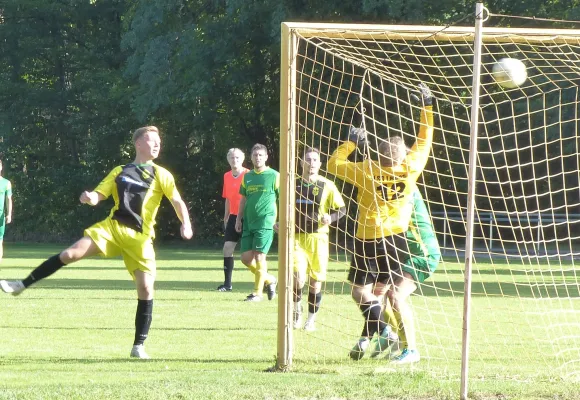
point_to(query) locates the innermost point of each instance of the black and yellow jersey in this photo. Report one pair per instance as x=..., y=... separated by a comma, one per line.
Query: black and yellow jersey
x=313, y=200
x=383, y=194
x=137, y=191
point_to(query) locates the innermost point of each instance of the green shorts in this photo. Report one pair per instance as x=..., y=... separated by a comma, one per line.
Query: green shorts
x=421, y=268
x=259, y=240
x=2, y=229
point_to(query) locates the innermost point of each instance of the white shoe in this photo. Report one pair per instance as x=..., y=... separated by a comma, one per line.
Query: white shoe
x=138, y=351
x=297, y=315
x=14, y=287
x=309, y=325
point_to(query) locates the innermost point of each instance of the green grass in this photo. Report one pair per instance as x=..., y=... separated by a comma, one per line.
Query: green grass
x=70, y=336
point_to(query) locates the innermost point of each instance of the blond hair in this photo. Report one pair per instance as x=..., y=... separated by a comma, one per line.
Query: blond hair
x=233, y=150
x=138, y=134
x=392, y=151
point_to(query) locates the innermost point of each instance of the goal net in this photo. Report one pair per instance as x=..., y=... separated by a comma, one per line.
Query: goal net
x=525, y=302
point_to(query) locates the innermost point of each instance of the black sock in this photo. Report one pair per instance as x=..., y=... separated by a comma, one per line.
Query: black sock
x=297, y=295
x=314, y=302
x=228, y=270
x=373, y=318
x=44, y=270
x=143, y=320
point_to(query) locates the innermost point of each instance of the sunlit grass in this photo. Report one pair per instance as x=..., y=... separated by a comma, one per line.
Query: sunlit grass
x=70, y=336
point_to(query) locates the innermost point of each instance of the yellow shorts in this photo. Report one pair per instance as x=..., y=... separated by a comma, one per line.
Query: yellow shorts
x=311, y=255
x=114, y=239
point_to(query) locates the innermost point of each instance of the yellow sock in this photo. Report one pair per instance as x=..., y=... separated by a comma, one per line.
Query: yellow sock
x=401, y=331
x=260, y=277
x=390, y=317
x=252, y=267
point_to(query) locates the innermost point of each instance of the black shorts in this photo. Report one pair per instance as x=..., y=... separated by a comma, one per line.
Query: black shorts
x=231, y=235
x=375, y=260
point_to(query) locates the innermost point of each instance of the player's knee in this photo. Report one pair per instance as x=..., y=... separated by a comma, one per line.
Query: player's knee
x=70, y=255
x=299, y=280
x=247, y=259
x=229, y=248
x=145, y=291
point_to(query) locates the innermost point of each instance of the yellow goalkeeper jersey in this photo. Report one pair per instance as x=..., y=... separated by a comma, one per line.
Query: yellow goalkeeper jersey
x=384, y=193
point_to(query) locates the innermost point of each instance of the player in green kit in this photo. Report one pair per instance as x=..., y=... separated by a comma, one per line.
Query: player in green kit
x=424, y=256
x=258, y=210
x=5, y=207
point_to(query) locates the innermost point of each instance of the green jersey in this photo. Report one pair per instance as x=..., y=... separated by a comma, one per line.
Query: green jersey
x=261, y=190
x=421, y=237
x=5, y=192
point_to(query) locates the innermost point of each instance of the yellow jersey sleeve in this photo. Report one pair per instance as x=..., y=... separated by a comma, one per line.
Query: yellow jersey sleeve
x=419, y=153
x=167, y=183
x=108, y=185
x=339, y=166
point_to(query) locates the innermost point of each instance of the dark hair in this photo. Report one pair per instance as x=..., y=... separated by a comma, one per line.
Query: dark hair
x=311, y=150
x=142, y=131
x=259, y=146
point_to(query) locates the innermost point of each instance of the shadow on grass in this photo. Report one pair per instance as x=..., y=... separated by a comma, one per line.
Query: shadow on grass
x=110, y=284
x=432, y=289
x=43, y=251
x=502, y=289
x=132, y=329
x=521, y=271
x=25, y=360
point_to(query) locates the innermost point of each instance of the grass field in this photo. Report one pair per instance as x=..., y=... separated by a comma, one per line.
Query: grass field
x=70, y=336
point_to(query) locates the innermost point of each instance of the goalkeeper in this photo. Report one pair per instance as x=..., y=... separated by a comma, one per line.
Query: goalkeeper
x=384, y=213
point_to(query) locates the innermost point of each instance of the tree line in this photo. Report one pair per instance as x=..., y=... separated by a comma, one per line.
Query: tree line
x=78, y=76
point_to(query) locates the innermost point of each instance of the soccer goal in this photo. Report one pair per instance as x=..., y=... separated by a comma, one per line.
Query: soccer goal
x=501, y=186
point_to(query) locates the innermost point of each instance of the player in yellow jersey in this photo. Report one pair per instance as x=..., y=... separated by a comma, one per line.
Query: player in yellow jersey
x=318, y=204
x=384, y=214
x=137, y=189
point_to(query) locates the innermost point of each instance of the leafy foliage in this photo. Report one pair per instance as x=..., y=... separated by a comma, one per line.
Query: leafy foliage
x=76, y=78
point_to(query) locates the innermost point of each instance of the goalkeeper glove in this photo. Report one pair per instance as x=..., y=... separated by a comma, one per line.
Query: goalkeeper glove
x=426, y=95
x=357, y=135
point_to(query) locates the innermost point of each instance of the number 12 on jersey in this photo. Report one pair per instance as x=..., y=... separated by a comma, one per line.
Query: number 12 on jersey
x=388, y=192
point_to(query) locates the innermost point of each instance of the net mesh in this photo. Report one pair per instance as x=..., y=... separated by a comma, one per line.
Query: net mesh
x=525, y=291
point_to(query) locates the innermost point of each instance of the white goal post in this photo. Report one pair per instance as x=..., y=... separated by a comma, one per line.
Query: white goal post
x=504, y=167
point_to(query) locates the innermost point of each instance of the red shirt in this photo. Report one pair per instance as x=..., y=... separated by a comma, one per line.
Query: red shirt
x=231, y=190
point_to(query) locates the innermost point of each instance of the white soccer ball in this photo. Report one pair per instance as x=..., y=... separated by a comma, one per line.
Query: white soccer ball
x=509, y=73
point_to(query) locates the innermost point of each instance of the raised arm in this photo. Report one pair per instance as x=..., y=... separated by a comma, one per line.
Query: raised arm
x=419, y=153
x=338, y=164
